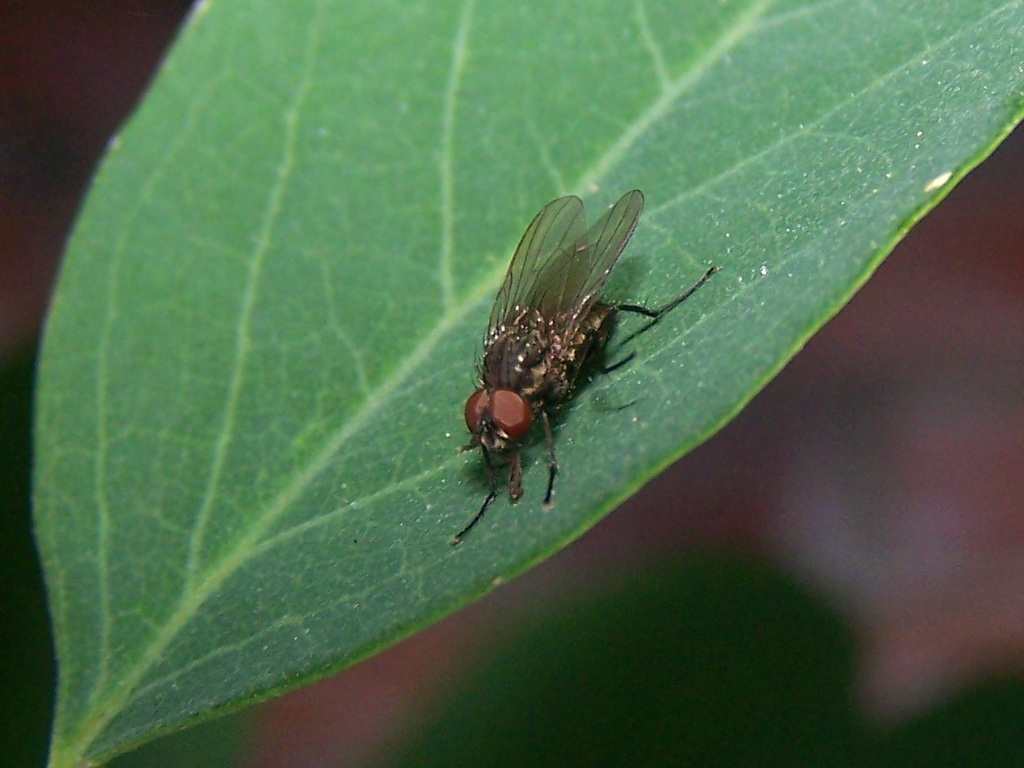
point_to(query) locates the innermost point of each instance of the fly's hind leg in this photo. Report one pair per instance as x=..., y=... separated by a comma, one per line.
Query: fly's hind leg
x=657, y=313
x=492, y=478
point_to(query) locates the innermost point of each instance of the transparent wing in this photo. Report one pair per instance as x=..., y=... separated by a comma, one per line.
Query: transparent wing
x=569, y=284
x=553, y=231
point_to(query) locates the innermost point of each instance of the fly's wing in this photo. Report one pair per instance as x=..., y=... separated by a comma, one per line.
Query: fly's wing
x=571, y=283
x=552, y=232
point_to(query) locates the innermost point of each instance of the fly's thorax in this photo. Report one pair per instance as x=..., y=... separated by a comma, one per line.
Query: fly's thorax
x=515, y=355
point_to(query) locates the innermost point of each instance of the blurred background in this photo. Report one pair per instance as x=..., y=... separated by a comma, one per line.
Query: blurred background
x=872, y=495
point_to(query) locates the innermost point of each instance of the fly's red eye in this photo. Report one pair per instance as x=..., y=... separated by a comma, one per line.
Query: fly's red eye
x=510, y=413
x=475, y=407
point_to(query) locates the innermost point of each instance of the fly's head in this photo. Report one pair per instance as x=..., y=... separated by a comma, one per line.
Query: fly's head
x=497, y=418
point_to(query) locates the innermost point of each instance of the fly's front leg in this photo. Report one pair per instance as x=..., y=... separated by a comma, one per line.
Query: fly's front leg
x=492, y=478
x=552, y=462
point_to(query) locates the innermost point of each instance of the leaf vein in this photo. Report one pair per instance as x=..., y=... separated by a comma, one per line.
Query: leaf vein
x=731, y=37
x=447, y=151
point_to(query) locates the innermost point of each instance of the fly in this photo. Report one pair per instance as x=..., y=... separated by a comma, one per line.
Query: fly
x=546, y=324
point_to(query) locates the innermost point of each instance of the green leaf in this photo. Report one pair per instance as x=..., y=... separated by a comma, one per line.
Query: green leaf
x=250, y=396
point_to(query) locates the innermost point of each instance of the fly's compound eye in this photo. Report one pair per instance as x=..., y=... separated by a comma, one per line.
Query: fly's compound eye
x=475, y=407
x=509, y=412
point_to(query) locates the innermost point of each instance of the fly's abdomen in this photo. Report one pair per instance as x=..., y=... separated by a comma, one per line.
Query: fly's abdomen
x=567, y=359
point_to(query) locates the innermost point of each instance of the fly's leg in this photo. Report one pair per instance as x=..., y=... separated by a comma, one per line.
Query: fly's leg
x=491, y=496
x=515, y=477
x=552, y=462
x=659, y=312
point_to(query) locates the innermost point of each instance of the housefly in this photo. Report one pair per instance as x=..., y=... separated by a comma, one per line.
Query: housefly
x=546, y=324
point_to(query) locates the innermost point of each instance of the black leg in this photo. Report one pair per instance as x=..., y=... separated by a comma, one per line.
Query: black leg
x=659, y=312
x=552, y=462
x=493, y=479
